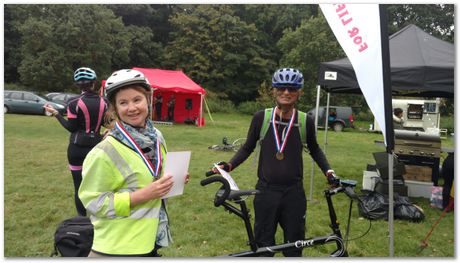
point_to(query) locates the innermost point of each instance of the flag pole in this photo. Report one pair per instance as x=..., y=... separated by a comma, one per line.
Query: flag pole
x=387, y=97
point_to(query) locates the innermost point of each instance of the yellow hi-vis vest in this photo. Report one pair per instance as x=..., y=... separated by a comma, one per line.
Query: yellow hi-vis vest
x=111, y=171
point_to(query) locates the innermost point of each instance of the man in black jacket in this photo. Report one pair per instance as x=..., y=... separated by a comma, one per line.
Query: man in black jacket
x=280, y=170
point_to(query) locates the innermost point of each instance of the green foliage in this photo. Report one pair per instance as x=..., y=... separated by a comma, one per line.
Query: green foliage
x=220, y=105
x=57, y=39
x=38, y=193
x=448, y=122
x=229, y=49
x=226, y=58
x=435, y=19
x=304, y=48
x=13, y=86
x=263, y=101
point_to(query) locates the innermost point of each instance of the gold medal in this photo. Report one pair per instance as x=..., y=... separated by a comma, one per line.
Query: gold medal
x=279, y=156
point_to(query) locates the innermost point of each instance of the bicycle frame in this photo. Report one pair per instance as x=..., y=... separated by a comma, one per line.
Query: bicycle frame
x=225, y=194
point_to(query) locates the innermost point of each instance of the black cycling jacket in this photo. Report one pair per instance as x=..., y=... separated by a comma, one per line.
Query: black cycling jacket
x=84, y=113
x=289, y=170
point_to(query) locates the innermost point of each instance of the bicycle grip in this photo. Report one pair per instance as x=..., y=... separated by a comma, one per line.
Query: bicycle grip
x=209, y=173
x=351, y=193
x=219, y=198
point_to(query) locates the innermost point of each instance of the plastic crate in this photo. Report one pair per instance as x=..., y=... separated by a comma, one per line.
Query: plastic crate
x=369, y=180
x=418, y=189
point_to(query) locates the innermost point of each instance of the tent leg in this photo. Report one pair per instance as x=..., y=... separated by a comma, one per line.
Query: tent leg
x=310, y=195
x=326, y=122
x=209, y=112
x=390, y=204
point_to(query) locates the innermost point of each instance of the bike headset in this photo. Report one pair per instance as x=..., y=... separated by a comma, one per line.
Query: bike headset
x=287, y=78
x=84, y=75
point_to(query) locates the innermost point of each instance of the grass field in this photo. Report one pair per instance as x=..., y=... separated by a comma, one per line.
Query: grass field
x=38, y=193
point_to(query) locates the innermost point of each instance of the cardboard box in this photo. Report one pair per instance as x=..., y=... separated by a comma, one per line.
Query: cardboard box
x=369, y=180
x=418, y=189
x=417, y=173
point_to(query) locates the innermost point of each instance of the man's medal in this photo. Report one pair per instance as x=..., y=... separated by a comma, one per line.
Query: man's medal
x=281, y=145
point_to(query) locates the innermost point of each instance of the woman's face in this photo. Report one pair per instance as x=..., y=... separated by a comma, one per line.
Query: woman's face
x=132, y=107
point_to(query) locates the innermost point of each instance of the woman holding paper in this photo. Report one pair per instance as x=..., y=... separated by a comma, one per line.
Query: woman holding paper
x=123, y=184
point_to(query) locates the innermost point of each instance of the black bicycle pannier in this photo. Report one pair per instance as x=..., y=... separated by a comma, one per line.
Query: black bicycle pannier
x=73, y=237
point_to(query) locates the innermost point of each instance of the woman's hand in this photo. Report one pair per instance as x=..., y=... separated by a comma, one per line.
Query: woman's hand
x=154, y=190
x=187, y=178
x=50, y=109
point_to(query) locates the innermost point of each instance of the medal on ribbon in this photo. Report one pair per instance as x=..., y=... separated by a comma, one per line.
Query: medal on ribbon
x=153, y=170
x=280, y=145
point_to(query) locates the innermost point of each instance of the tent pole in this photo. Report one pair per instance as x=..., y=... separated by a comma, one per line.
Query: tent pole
x=318, y=91
x=326, y=122
x=209, y=112
x=201, y=110
x=390, y=205
x=389, y=132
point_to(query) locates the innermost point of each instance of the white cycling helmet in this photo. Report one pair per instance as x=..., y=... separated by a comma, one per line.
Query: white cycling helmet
x=122, y=78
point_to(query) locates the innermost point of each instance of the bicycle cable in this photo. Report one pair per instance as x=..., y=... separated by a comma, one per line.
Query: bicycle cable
x=346, y=239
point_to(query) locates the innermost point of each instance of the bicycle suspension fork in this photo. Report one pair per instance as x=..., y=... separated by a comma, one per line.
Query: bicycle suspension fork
x=335, y=225
x=243, y=213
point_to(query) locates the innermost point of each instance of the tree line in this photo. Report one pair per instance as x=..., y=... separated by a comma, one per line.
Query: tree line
x=231, y=50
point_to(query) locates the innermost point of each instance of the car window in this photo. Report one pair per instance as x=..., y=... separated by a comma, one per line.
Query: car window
x=16, y=95
x=28, y=96
x=59, y=97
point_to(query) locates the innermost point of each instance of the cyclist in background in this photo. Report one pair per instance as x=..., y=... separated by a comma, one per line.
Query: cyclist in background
x=280, y=171
x=85, y=115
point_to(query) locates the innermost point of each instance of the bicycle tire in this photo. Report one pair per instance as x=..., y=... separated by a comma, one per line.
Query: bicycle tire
x=238, y=143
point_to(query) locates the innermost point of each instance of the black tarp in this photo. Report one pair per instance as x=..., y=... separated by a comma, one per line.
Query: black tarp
x=421, y=66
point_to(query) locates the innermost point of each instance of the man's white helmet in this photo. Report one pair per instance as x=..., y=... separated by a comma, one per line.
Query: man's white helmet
x=122, y=78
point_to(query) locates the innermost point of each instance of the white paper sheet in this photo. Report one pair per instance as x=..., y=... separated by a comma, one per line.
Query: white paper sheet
x=229, y=178
x=176, y=164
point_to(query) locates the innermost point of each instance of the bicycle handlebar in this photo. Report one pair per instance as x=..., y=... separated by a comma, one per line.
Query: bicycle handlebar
x=220, y=198
x=345, y=186
x=209, y=173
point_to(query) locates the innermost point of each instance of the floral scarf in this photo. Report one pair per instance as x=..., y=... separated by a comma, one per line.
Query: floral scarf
x=146, y=139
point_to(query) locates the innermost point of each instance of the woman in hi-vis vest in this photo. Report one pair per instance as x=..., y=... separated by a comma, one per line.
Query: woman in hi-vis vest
x=123, y=183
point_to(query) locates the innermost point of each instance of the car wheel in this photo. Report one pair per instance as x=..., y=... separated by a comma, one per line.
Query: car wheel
x=5, y=109
x=338, y=127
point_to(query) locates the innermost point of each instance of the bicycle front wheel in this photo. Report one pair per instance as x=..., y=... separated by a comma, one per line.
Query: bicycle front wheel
x=238, y=143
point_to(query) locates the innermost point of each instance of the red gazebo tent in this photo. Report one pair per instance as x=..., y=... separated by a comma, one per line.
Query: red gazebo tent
x=189, y=95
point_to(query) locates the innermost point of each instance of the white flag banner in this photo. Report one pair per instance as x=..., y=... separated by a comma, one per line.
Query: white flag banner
x=357, y=28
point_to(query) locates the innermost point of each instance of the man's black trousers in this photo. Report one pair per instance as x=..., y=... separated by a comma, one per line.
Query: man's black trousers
x=283, y=205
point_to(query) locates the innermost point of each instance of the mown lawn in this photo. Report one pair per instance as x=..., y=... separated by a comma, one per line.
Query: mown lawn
x=38, y=193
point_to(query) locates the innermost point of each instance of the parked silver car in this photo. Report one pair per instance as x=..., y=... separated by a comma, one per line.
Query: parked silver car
x=27, y=102
x=61, y=98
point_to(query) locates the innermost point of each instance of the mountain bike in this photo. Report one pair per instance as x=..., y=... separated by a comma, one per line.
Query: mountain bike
x=225, y=197
x=234, y=146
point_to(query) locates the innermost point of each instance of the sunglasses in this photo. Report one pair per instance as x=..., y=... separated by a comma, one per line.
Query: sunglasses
x=289, y=88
